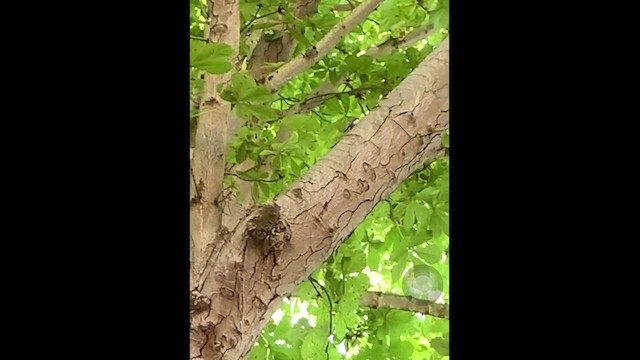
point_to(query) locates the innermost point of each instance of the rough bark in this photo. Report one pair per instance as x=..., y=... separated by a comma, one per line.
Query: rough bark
x=208, y=157
x=304, y=61
x=376, y=300
x=281, y=243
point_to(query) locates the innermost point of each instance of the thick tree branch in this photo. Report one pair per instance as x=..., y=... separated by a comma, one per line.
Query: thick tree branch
x=208, y=159
x=304, y=61
x=280, y=244
x=376, y=300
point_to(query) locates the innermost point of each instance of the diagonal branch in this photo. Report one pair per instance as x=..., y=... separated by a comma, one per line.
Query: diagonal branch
x=304, y=61
x=374, y=299
x=400, y=43
x=315, y=99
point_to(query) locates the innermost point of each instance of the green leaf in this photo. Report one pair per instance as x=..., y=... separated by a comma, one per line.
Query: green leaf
x=398, y=322
x=299, y=36
x=258, y=94
x=242, y=84
x=345, y=100
x=432, y=254
x=313, y=345
x=445, y=139
x=440, y=18
x=247, y=10
x=254, y=174
x=306, y=291
x=281, y=353
x=264, y=188
x=255, y=191
x=266, y=152
x=211, y=57
x=295, y=122
x=334, y=77
x=413, y=55
x=401, y=349
x=247, y=111
x=258, y=352
x=383, y=209
x=420, y=237
x=400, y=244
x=228, y=95
x=243, y=112
x=372, y=99
x=439, y=223
x=409, y=218
x=241, y=153
x=441, y=345
x=398, y=270
x=428, y=195
x=354, y=263
x=358, y=62
x=214, y=66
x=359, y=285
x=333, y=105
x=340, y=328
x=373, y=260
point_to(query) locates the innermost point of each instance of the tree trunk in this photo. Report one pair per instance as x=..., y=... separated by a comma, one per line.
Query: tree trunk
x=279, y=245
x=209, y=154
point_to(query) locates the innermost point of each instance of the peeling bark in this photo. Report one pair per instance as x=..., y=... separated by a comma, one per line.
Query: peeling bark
x=280, y=244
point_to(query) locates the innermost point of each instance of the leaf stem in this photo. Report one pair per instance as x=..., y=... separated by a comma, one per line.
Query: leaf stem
x=245, y=179
x=257, y=18
x=197, y=38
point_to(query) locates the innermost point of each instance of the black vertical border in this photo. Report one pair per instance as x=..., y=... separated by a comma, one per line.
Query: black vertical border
x=498, y=290
x=123, y=79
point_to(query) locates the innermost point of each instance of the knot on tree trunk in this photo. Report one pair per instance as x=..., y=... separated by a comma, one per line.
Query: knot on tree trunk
x=267, y=231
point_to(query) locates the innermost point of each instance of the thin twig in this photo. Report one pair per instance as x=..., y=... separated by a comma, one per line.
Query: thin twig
x=257, y=18
x=358, y=90
x=245, y=179
x=326, y=349
x=197, y=38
